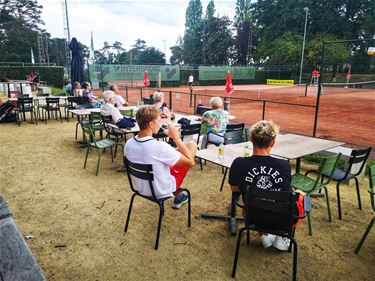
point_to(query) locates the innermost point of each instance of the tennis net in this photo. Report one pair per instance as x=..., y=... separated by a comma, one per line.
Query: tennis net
x=348, y=88
x=266, y=93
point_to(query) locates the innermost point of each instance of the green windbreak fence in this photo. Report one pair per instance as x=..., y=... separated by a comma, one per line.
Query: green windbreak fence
x=120, y=72
x=220, y=72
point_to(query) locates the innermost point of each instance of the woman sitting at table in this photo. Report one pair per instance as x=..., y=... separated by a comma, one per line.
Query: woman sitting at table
x=88, y=96
x=109, y=109
x=158, y=98
x=214, y=123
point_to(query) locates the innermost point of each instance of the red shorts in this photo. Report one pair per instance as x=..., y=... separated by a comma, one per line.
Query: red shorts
x=179, y=174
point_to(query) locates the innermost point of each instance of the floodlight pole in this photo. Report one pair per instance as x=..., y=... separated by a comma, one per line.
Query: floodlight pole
x=303, y=45
x=165, y=49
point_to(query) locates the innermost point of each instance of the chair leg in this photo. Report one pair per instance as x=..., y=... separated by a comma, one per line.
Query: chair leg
x=358, y=193
x=248, y=237
x=77, y=128
x=129, y=212
x=328, y=206
x=309, y=223
x=161, y=213
x=98, y=165
x=200, y=163
x=60, y=116
x=365, y=235
x=338, y=199
x=87, y=154
x=189, y=207
x=234, y=269
x=112, y=154
x=222, y=182
x=295, y=253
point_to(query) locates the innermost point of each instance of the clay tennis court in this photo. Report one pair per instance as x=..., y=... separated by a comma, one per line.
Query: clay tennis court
x=345, y=114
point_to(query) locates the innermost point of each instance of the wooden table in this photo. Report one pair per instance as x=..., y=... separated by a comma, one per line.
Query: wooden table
x=287, y=146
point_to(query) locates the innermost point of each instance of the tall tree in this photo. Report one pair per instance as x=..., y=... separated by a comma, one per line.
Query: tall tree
x=177, y=52
x=218, y=40
x=245, y=37
x=192, y=50
x=210, y=10
x=193, y=13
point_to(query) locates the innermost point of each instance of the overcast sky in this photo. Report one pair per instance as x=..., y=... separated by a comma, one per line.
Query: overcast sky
x=124, y=20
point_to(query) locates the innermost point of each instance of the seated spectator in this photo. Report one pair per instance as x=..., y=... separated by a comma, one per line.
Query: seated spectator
x=158, y=98
x=109, y=109
x=88, y=96
x=69, y=88
x=214, y=122
x=120, y=101
x=77, y=91
x=170, y=166
x=262, y=171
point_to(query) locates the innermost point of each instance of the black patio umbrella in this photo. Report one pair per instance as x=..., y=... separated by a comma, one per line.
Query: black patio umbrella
x=77, y=73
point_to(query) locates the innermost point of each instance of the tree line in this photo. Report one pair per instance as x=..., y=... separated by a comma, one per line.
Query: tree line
x=262, y=33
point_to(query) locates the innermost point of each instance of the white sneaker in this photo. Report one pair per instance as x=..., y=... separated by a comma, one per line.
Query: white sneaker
x=267, y=240
x=281, y=243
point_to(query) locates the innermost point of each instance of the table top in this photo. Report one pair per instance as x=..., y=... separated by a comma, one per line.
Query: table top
x=287, y=146
x=84, y=111
x=41, y=98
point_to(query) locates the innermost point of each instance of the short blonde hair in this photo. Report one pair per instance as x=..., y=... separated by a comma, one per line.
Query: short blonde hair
x=145, y=115
x=157, y=96
x=263, y=133
x=108, y=95
x=216, y=102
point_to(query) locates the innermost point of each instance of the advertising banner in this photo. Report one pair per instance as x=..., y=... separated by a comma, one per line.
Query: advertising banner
x=220, y=72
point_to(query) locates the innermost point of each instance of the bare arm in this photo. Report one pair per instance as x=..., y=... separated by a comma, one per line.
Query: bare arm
x=187, y=151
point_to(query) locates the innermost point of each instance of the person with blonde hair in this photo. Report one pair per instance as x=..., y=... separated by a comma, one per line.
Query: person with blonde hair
x=158, y=98
x=263, y=171
x=169, y=165
x=214, y=123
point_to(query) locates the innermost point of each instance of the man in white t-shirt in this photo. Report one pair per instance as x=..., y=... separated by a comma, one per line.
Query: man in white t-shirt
x=109, y=109
x=120, y=101
x=170, y=166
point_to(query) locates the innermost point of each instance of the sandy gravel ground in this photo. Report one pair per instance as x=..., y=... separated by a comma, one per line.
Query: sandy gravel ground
x=77, y=220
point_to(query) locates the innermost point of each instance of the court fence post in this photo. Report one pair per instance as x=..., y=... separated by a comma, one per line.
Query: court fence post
x=101, y=77
x=306, y=89
x=319, y=92
x=191, y=97
x=126, y=93
x=141, y=93
x=195, y=104
x=264, y=110
x=170, y=100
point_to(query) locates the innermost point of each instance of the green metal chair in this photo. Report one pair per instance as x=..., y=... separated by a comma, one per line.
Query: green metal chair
x=101, y=145
x=310, y=185
x=127, y=112
x=371, y=175
x=97, y=123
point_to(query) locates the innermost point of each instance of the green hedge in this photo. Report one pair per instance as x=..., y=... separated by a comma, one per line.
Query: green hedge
x=54, y=75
